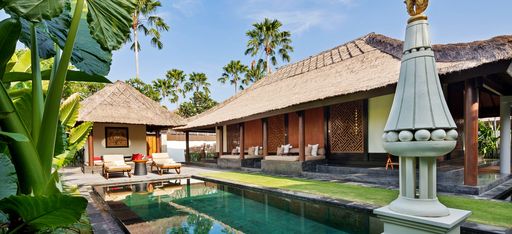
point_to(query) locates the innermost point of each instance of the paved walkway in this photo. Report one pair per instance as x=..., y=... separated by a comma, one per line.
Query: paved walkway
x=101, y=220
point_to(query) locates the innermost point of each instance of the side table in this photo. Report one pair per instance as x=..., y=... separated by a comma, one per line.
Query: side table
x=140, y=167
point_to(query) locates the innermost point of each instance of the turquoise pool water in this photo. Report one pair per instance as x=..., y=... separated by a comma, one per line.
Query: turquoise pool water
x=173, y=207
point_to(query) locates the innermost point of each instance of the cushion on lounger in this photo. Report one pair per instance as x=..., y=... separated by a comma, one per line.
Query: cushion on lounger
x=308, y=151
x=250, y=151
x=280, y=151
x=314, y=149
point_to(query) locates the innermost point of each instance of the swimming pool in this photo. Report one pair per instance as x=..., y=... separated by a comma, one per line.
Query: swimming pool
x=204, y=207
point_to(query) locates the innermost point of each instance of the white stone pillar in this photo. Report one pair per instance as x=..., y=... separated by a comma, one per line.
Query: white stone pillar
x=505, y=102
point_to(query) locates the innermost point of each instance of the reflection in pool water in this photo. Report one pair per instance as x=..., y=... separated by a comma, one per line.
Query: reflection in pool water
x=173, y=207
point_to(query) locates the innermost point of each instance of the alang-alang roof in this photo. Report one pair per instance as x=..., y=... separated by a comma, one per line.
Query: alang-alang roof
x=367, y=63
x=121, y=103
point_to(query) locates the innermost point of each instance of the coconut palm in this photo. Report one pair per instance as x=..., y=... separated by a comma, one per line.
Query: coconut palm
x=196, y=82
x=177, y=79
x=255, y=73
x=266, y=37
x=163, y=87
x=233, y=72
x=145, y=20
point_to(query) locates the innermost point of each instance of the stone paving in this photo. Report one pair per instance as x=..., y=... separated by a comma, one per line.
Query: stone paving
x=101, y=220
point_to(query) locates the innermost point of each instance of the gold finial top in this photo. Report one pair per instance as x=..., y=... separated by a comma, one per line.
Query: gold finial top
x=415, y=8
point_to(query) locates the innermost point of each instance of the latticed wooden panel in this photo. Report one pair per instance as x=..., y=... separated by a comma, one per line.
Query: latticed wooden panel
x=346, y=133
x=276, y=132
x=233, y=135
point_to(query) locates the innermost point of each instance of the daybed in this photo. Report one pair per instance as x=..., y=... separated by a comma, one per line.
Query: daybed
x=162, y=162
x=115, y=163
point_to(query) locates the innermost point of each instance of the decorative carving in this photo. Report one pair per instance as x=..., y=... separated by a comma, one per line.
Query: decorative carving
x=233, y=135
x=346, y=131
x=276, y=132
x=416, y=7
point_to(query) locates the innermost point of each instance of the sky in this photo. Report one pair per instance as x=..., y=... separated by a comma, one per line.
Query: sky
x=205, y=35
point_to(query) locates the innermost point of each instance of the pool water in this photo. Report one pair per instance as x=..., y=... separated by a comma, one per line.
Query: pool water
x=173, y=207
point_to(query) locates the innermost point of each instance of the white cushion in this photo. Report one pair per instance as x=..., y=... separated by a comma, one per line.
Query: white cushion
x=286, y=148
x=314, y=149
x=256, y=150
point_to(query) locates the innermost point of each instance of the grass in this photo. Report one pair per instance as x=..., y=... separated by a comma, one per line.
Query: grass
x=484, y=211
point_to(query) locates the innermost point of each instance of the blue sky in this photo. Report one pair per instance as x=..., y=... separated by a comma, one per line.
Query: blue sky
x=205, y=34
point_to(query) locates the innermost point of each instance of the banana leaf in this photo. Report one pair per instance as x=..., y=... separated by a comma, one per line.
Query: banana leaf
x=71, y=76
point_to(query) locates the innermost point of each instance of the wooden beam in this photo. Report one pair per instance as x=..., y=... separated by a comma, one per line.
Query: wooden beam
x=471, y=132
x=221, y=140
x=242, y=148
x=302, y=137
x=90, y=150
x=158, y=141
x=265, y=136
x=327, y=143
x=187, y=146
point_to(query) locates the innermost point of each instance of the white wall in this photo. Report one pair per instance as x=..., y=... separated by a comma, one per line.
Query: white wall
x=136, y=135
x=176, y=149
x=378, y=111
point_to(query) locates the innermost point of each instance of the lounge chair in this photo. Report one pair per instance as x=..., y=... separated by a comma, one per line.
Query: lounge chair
x=162, y=162
x=115, y=163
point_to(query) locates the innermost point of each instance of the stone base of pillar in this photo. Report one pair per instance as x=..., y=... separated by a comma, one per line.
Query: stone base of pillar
x=397, y=223
x=419, y=207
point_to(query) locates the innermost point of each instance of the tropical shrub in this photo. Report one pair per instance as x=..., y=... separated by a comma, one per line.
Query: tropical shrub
x=487, y=139
x=37, y=134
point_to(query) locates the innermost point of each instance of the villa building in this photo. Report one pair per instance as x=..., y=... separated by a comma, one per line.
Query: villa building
x=125, y=122
x=340, y=99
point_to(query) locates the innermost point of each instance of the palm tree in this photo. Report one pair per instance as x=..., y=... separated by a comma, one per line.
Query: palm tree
x=144, y=20
x=233, y=72
x=255, y=73
x=266, y=37
x=176, y=77
x=163, y=87
x=196, y=82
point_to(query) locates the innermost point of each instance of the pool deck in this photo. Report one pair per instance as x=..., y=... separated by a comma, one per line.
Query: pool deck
x=101, y=220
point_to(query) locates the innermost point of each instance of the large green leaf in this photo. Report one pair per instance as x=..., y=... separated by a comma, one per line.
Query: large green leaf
x=87, y=55
x=23, y=63
x=110, y=21
x=22, y=100
x=45, y=43
x=69, y=110
x=9, y=32
x=71, y=76
x=9, y=179
x=14, y=136
x=78, y=135
x=61, y=139
x=39, y=212
x=35, y=10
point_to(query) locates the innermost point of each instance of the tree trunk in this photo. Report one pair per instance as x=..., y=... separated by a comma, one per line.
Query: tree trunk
x=236, y=87
x=268, y=64
x=136, y=41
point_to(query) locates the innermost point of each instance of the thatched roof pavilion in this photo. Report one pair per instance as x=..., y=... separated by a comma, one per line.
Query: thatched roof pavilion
x=371, y=62
x=125, y=122
x=121, y=103
x=340, y=98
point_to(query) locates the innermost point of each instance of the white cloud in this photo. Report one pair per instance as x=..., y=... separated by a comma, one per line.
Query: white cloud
x=187, y=7
x=300, y=21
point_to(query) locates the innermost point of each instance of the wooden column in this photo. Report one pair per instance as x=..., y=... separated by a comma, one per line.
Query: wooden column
x=265, y=137
x=302, y=137
x=90, y=149
x=221, y=141
x=242, y=149
x=471, y=132
x=187, y=147
x=158, y=142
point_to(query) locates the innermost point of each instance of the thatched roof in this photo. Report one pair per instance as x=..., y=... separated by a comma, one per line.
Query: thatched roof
x=121, y=103
x=366, y=63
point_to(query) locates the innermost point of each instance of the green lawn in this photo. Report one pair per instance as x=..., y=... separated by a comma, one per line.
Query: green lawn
x=484, y=211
